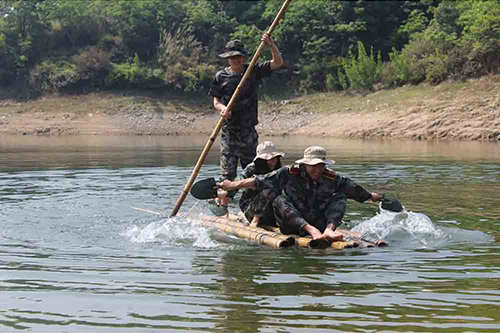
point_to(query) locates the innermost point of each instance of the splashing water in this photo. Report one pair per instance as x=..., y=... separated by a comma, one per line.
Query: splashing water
x=173, y=231
x=409, y=228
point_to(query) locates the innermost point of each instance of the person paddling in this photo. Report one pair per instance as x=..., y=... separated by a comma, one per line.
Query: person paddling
x=258, y=205
x=314, y=198
x=239, y=138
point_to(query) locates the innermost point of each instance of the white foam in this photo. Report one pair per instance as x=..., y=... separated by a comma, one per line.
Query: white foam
x=401, y=226
x=174, y=231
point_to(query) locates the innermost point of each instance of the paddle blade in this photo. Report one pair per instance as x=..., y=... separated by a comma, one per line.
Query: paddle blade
x=390, y=203
x=204, y=189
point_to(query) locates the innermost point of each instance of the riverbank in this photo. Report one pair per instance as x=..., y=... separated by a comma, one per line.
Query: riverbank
x=450, y=111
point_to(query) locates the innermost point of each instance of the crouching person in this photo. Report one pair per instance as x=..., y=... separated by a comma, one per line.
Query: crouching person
x=314, y=198
x=257, y=205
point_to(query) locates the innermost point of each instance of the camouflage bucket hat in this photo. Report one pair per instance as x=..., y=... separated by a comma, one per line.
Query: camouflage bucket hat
x=315, y=155
x=234, y=48
x=267, y=150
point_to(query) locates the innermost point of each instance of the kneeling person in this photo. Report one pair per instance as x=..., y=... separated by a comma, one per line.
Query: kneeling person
x=257, y=205
x=314, y=198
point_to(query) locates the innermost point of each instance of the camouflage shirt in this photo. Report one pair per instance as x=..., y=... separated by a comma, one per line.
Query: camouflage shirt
x=258, y=167
x=311, y=198
x=248, y=194
x=244, y=113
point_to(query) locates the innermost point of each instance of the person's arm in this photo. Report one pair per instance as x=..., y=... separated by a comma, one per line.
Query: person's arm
x=219, y=106
x=237, y=184
x=356, y=192
x=277, y=60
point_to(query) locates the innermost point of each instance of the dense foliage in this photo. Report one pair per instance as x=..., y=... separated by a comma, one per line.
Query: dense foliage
x=66, y=45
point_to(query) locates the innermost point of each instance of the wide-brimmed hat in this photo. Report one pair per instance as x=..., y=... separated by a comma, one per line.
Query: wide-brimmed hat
x=315, y=155
x=267, y=150
x=234, y=48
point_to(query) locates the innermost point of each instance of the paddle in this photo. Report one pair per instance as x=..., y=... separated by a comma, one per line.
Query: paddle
x=205, y=189
x=390, y=203
x=235, y=95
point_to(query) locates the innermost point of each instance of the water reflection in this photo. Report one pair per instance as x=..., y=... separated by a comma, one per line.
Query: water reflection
x=72, y=247
x=22, y=152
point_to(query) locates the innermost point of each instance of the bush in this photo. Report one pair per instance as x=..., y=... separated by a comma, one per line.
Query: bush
x=416, y=55
x=54, y=76
x=318, y=74
x=134, y=76
x=437, y=70
x=114, y=46
x=364, y=70
x=401, y=67
x=179, y=56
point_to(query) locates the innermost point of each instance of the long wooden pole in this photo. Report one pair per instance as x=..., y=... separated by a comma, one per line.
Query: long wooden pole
x=235, y=95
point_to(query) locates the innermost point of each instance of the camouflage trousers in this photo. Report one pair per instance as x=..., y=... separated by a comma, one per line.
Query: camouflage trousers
x=259, y=203
x=236, y=145
x=291, y=221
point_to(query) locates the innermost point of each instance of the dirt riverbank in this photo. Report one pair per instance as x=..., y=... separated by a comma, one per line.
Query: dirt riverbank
x=451, y=111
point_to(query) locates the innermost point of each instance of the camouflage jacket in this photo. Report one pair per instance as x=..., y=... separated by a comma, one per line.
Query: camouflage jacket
x=311, y=198
x=251, y=170
x=244, y=113
x=248, y=194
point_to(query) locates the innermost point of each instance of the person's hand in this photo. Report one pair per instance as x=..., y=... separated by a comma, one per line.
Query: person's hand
x=313, y=231
x=332, y=236
x=225, y=112
x=376, y=197
x=267, y=39
x=226, y=185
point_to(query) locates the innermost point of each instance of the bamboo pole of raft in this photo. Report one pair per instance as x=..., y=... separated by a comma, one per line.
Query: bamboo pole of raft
x=287, y=238
x=255, y=235
x=306, y=241
x=272, y=237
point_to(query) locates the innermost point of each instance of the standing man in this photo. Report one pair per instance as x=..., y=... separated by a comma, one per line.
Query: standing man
x=314, y=198
x=239, y=138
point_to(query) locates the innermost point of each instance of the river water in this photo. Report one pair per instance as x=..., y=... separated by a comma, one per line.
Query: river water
x=75, y=256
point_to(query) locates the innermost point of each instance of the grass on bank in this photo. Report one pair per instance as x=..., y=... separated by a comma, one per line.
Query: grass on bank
x=403, y=98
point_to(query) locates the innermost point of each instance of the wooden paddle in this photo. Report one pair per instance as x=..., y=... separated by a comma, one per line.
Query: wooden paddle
x=235, y=95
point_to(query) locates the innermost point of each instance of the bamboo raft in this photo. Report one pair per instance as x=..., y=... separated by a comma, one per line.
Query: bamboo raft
x=238, y=226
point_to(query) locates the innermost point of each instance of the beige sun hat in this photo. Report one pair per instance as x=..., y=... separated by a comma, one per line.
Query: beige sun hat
x=267, y=150
x=315, y=155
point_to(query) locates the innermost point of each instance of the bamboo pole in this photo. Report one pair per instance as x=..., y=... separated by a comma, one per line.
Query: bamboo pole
x=232, y=101
x=255, y=235
x=233, y=223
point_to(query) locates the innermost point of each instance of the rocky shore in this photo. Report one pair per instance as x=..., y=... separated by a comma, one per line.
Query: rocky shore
x=454, y=111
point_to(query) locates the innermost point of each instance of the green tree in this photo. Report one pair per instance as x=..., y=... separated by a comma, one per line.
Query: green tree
x=210, y=22
x=138, y=23
x=481, y=30
x=73, y=23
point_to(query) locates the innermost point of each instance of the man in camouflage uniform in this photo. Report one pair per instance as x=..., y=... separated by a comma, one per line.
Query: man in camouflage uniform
x=238, y=136
x=313, y=199
x=258, y=205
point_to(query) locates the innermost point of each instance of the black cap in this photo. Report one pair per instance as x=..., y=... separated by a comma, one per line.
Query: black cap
x=234, y=48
